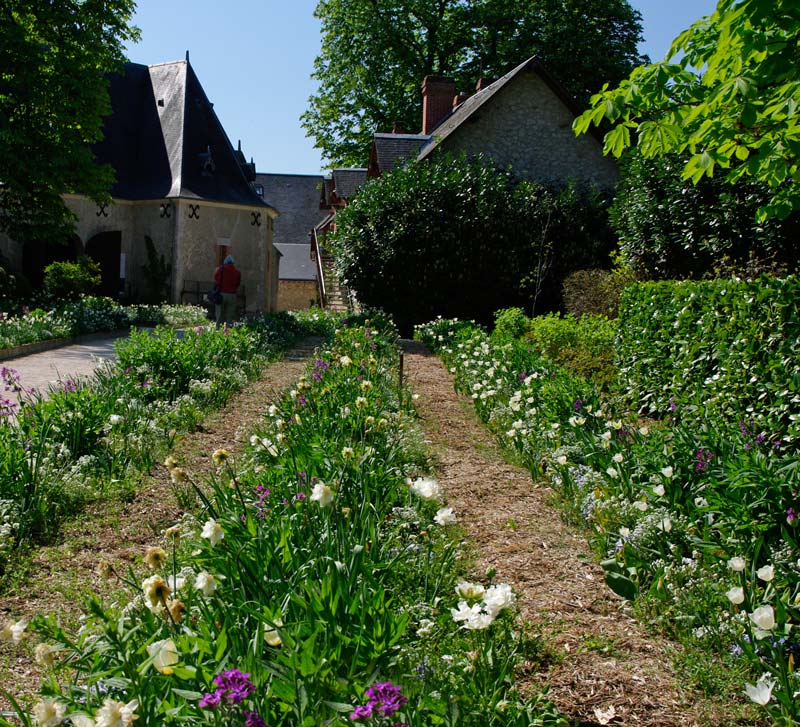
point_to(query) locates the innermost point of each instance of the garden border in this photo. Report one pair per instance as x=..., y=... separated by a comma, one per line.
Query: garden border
x=26, y=349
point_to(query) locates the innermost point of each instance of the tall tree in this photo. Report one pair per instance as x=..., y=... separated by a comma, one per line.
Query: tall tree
x=375, y=54
x=54, y=59
x=740, y=112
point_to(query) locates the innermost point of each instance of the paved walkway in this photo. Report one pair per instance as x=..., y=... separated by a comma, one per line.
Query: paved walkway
x=40, y=370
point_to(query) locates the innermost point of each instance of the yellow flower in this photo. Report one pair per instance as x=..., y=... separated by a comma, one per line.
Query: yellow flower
x=13, y=631
x=156, y=591
x=170, y=462
x=155, y=557
x=271, y=635
x=178, y=475
x=176, y=610
x=105, y=569
x=219, y=457
x=173, y=532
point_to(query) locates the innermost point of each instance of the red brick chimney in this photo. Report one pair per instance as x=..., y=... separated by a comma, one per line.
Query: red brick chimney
x=437, y=101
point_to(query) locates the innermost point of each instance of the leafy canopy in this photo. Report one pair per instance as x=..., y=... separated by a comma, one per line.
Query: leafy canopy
x=376, y=53
x=54, y=57
x=738, y=113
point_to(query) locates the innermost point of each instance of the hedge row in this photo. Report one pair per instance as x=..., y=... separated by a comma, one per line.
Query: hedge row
x=729, y=347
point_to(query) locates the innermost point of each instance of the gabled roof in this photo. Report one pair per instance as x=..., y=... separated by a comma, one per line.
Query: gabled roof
x=347, y=181
x=297, y=198
x=394, y=150
x=471, y=105
x=296, y=263
x=164, y=139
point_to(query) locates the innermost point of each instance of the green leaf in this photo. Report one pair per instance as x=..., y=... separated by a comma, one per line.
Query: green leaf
x=622, y=585
x=617, y=140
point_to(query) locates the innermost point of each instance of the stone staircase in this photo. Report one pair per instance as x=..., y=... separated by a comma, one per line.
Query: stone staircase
x=338, y=297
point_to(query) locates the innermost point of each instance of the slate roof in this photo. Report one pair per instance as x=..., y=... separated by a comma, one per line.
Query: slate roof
x=347, y=181
x=394, y=150
x=164, y=139
x=296, y=263
x=297, y=197
x=459, y=115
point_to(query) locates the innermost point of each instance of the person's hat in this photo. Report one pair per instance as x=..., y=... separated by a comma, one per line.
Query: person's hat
x=228, y=260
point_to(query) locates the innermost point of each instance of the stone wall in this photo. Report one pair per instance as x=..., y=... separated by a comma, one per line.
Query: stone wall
x=527, y=126
x=297, y=294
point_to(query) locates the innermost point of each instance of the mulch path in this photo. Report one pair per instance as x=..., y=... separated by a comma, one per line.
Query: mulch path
x=610, y=670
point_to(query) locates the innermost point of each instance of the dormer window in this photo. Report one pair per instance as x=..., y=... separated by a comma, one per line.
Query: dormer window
x=259, y=189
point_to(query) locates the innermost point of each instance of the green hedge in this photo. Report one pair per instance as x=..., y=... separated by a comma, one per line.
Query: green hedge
x=727, y=346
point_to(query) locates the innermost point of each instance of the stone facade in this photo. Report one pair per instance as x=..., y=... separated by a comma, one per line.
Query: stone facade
x=297, y=294
x=529, y=127
x=186, y=232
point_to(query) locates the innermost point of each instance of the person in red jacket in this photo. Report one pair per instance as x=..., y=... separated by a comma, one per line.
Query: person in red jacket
x=226, y=281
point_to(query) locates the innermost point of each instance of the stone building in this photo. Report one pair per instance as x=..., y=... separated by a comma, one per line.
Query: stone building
x=180, y=183
x=298, y=197
x=524, y=120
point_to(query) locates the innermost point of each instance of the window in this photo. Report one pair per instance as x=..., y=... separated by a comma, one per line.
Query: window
x=259, y=189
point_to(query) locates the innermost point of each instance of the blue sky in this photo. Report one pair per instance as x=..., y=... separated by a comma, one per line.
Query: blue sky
x=255, y=57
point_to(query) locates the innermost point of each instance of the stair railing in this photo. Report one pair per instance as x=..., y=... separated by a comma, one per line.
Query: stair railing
x=316, y=252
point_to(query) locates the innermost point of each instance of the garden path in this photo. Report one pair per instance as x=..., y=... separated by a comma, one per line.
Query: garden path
x=607, y=669
x=57, y=578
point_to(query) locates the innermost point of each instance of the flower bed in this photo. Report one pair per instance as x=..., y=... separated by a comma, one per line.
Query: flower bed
x=88, y=436
x=695, y=521
x=90, y=315
x=316, y=587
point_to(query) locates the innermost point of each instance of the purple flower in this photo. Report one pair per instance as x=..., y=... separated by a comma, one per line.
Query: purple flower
x=522, y=376
x=702, y=459
x=791, y=515
x=211, y=701
x=234, y=686
x=253, y=719
x=384, y=699
x=577, y=404
x=362, y=712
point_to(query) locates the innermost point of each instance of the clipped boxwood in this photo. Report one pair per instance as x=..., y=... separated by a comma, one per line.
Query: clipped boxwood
x=727, y=346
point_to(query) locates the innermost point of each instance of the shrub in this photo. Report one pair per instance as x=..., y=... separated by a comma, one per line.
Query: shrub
x=156, y=274
x=669, y=228
x=66, y=280
x=583, y=346
x=457, y=237
x=595, y=292
x=510, y=323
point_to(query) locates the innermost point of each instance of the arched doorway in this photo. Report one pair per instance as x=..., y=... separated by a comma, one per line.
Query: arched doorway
x=105, y=249
x=38, y=254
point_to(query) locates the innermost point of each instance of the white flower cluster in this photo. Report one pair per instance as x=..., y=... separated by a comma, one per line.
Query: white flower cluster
x=487, y=603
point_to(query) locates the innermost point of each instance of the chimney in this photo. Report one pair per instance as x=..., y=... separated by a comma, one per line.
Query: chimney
x=437, y=101
x=459, y=99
